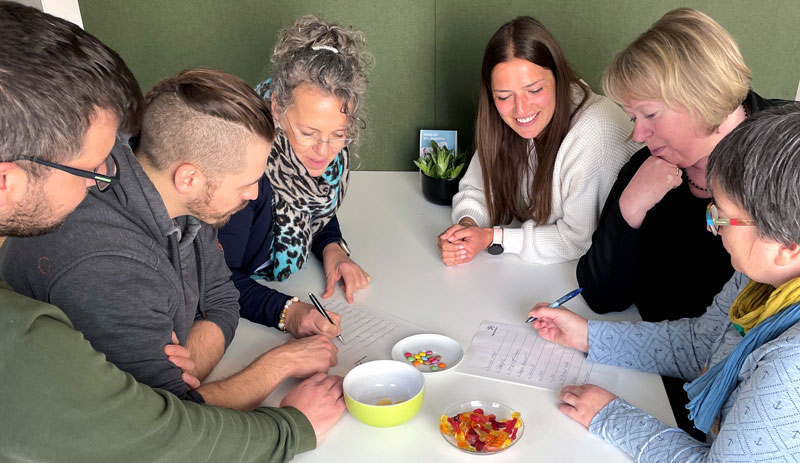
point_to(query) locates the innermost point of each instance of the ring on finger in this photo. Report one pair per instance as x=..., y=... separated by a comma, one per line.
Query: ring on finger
x=677, y=171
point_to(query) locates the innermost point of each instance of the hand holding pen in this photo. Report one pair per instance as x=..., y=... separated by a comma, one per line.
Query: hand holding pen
x=561, y=325
x=558, y=302
x=321, y=310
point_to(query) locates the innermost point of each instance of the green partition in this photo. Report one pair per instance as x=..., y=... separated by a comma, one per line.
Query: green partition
x=160, y=38
x=427, y=52
x=591, y=33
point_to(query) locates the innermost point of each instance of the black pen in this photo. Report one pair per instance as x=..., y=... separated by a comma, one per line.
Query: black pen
x=321, y=310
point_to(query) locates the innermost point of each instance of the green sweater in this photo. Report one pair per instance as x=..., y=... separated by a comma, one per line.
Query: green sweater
x=60, y=400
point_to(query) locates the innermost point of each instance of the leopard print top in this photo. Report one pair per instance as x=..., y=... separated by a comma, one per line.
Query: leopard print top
x=302, y=205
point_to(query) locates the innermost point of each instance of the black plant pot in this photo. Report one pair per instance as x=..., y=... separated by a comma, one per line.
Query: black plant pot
x=439, y=191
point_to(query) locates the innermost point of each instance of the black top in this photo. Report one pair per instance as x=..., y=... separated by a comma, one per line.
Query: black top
x=671, y=267
x=247, y=241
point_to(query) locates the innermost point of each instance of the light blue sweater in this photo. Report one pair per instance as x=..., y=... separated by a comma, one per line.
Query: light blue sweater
x=760, y=421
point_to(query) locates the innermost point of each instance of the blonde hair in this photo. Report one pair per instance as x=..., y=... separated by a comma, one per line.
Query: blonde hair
x=686, y=58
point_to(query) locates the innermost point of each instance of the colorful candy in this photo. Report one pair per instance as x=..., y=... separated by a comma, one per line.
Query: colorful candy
x=476, y=432
x=426, y=358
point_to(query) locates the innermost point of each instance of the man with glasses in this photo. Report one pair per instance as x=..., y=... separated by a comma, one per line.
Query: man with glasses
x=61, y=104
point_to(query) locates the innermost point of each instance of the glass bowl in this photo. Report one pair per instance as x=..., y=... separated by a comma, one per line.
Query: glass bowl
x=502, y=412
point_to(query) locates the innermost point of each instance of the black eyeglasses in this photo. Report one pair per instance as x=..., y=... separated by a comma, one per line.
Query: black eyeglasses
x=104, y=176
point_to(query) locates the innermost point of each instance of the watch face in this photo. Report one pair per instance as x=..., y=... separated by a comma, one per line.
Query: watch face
x=495, y=249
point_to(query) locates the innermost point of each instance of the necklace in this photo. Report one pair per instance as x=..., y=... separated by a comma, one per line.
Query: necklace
x=698, y=187
x=694, y=184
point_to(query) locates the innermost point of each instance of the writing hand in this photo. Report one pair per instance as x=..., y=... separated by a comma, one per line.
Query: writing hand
x=561, y=326
x=305, y=320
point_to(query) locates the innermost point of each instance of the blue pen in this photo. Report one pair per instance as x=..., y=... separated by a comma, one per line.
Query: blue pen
x=559, y=301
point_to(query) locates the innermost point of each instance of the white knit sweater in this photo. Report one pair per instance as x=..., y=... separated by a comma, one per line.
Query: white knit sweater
x=595, y=148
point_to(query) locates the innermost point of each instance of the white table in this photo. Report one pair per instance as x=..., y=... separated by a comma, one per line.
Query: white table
x=392, y=231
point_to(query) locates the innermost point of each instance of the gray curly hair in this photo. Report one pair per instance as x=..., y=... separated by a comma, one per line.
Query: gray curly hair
x=305, y=54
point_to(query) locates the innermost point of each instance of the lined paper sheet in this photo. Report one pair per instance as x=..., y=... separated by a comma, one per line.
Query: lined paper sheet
x=369, y=333
x=518, y=354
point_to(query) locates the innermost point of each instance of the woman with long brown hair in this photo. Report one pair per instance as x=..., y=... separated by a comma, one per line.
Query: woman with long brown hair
x=548, y=151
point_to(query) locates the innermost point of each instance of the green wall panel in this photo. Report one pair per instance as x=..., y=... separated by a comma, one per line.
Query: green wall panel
x=591, y=33
x=427, y=52
x=159, y=38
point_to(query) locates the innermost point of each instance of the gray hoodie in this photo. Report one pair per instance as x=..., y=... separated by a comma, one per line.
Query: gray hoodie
x=127, y=275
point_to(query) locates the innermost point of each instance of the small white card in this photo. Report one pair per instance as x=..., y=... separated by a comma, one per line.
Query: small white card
x=443, y=138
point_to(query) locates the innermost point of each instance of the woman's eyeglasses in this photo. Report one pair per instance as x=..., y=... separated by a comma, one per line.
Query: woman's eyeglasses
x=714, y=222
x=308, y=141
x=104, y=176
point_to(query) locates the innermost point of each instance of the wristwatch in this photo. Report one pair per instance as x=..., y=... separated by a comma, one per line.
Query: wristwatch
x=343, y=244
x=496, y=248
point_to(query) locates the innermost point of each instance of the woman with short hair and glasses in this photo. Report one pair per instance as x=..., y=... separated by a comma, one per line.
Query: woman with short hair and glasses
x=741, y=358
x=316, y=92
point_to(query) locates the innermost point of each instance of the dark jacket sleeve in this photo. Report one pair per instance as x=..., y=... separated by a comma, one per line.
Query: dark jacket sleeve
x=124, y=307
x=606, y=272
x=89, y=410
x=330, y=233
x=247, y=243
x=219, y=301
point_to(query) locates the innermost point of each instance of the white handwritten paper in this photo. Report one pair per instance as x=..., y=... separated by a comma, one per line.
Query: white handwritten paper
x=369, y=333
x=518, y=354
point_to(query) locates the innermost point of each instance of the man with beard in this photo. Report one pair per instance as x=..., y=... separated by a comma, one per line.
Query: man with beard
x=138, y=268
x=61, y=103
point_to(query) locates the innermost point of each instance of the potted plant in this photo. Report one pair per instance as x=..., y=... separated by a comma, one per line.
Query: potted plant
x=440, y=171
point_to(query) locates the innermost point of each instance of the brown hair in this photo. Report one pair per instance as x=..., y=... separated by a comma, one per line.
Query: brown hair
x=687, y=59
x=504, y=155
x=203, y=117
x=54, y=77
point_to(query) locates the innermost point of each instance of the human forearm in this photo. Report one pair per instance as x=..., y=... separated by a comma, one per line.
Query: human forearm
x=546, y=244
x=258, y=303
x=330, y=233
x=470, y=201
x=247, y=389
x=643, y=437
x=206, y=345
x=644, y=346
x=607, y=271
x=219, y=300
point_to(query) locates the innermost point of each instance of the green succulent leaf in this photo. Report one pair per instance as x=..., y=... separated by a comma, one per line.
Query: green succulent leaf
x=441, y=162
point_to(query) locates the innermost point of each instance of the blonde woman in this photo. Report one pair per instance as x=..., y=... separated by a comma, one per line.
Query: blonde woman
x=685, y=86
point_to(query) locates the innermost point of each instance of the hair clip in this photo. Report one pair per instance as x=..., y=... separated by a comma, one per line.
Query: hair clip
x=324, y=47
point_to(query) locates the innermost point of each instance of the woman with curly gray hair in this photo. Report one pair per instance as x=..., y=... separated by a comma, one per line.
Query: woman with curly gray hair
x=318, y=82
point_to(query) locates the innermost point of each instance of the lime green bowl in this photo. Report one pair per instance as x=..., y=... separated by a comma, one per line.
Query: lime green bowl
x=397, y=384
